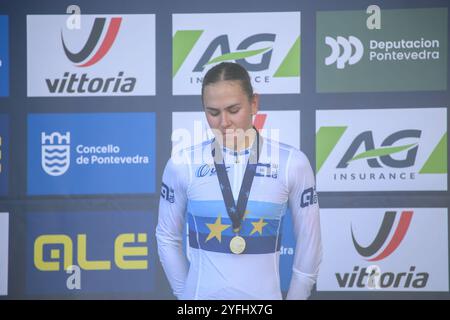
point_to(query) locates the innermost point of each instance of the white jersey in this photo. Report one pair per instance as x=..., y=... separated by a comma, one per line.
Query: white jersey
x=191, y=193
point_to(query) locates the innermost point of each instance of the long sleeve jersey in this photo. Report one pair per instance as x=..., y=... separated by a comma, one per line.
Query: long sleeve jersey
x=191, y=199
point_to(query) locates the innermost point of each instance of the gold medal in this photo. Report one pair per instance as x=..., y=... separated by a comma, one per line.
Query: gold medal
x=237, y=245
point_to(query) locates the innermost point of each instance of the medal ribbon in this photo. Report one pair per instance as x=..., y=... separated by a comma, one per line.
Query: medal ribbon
x=236, y=211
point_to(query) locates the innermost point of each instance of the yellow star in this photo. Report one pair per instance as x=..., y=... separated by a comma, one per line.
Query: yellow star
x=258, y=226
x=246, y=212
x=216, y=229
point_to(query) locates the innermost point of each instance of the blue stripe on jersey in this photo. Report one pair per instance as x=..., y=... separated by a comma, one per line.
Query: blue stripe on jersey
x=254, y=245
x=256, y=209
x=200, y=224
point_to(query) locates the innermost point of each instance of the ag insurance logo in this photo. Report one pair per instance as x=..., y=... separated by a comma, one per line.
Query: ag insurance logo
x=395, y=249
x=381, y=150
x=108, y=55
x=407, y=53
x=4, y=56
x=4, y=241
x=91, y=153
x=268, y=47
x=83, y=252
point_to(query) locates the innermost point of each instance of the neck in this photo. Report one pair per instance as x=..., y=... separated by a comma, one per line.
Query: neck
x=242, y=142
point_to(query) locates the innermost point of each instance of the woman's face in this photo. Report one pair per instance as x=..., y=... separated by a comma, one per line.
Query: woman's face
x=228, y=109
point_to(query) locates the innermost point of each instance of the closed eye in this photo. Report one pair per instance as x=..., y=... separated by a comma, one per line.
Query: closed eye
x=213, y=113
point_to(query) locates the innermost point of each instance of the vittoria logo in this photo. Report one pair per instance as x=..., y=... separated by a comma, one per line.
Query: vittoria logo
x=108, y=55
x=383, y=233
x=55, y=153
x=81, y=58
x=384, y=249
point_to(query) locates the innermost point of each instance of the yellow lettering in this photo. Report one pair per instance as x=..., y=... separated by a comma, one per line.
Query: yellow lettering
x=82, y=260
x=120, y=251
x=43, y=240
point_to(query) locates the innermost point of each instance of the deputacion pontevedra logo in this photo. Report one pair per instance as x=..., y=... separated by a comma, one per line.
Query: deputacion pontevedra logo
x=81, y=58
x=344, y=51
x=407, y=53
x=383, y=234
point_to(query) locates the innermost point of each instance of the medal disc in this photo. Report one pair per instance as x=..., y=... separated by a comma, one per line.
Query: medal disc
x=237, y=245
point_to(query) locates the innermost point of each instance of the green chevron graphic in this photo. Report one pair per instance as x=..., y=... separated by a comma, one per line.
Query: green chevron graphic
x=326, y=140
x=437, y=162
x=182, y=44
x=379, y=152
x=238, y=55
x=290, y=67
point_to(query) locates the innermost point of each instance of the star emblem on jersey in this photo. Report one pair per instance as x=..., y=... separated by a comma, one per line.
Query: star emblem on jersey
x=258, y=226
x=216, y=229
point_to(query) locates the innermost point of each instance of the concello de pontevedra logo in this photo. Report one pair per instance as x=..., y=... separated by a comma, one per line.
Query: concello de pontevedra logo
x=81, y=58
x=55, y=158
x=383, y=234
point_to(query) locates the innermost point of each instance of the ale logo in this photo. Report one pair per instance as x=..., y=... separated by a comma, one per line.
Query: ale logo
x=344, y=51
x=81, y=58
x=110, y=251
x=383, y=234
x=55, y=153
x=270, y=52
x=355, y=153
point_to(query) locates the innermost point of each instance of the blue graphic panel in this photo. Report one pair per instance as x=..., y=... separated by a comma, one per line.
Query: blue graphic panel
x=4, y=56
x=114, y=251
x=95, y=153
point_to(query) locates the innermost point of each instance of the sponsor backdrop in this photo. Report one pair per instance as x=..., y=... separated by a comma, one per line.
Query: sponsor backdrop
x=95, y=97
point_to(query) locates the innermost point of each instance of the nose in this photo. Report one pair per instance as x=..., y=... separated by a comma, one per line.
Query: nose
x=224, y=121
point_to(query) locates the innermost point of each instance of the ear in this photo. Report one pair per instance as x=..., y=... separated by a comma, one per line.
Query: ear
x=255, y=104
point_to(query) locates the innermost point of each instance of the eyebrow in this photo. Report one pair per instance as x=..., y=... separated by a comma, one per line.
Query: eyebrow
x=229, y=107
